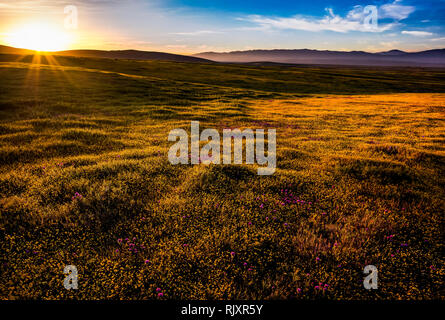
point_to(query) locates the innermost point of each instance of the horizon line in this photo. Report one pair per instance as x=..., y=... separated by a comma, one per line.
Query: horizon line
x=219, y=52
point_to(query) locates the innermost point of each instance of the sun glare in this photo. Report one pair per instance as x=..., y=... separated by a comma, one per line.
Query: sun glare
x=39, y=37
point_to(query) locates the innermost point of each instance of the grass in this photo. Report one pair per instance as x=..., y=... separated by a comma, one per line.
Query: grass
x=85, y=180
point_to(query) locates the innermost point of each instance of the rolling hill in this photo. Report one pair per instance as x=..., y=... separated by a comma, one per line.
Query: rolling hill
x=429, y=58
x=305, y=56
x=114, y=54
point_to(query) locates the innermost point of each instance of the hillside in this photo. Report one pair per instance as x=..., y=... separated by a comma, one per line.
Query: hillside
x=263, y=79
x=85, y=180
x=115, y=54
x=429, y=58
x=305, y=56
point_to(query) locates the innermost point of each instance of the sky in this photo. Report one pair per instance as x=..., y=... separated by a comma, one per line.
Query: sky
x=192, y=26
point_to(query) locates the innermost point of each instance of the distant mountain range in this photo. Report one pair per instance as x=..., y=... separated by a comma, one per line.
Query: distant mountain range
x=429, y=58
x=115, y=54
x=306, y=56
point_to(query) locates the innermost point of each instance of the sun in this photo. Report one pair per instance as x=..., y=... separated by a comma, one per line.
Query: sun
x=39, y=37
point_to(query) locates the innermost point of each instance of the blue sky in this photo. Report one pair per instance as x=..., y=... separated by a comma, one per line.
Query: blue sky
x=190, y=26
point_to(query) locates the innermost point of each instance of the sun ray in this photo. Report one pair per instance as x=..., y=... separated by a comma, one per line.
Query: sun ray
x=55, y=66
x=33, y=75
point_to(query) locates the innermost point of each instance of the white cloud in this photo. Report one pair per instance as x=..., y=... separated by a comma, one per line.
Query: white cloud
x=417, y=33
x=331, y=22
x=356, y=13
x=353, y=21
x=197, y=33
x=389, y=44
x=395, y=10
x=438, y=39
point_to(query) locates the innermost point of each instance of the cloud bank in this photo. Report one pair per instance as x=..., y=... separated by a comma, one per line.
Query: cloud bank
x=352, y=21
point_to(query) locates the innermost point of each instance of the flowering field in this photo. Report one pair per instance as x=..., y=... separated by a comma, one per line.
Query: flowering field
x=85, y=181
